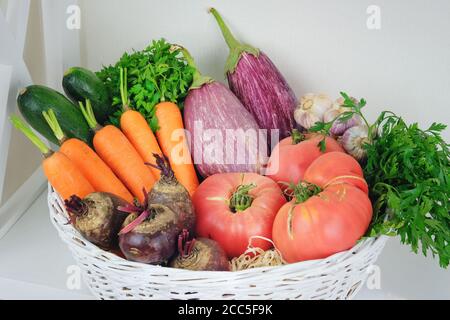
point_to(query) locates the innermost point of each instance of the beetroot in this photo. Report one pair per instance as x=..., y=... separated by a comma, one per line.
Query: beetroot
x=97, y=217
x=169, y=192
x=199, y=254
x=150, y=232
x=152, y=238
x=259, y=85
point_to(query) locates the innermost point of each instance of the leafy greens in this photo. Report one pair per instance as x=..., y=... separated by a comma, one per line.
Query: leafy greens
x=407, y=169
x=157, y=73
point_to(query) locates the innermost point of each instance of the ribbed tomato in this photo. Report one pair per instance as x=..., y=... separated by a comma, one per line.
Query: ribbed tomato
x=332, y=219
x=289, y=160
x=232, y=207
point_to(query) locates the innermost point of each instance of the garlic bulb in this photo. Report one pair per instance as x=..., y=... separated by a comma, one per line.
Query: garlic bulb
x=311, y=109
x=353, y=140
x=339, y=127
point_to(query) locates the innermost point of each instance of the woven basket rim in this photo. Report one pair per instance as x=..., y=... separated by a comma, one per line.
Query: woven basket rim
x=335, y=260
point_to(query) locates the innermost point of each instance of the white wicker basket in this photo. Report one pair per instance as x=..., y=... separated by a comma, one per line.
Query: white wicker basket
x=110, y=277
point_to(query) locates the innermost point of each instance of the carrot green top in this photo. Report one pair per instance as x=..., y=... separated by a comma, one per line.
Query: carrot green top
x=26, y=130
x=53, y=123
x=89, y=115
x=236, y=47
x=124, y=89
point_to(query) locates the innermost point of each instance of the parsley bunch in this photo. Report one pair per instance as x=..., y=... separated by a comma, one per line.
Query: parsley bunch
x=157, y=73
x=408, y=171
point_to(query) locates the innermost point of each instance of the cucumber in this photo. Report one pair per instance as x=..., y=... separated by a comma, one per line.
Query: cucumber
x=35, y=99
x=80, y=84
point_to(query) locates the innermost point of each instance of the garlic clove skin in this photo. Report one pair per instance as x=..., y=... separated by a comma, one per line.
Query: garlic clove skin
x=353, y=140
x=339, y=127
x=311, y=109
x=331, y=114
x=305, y=119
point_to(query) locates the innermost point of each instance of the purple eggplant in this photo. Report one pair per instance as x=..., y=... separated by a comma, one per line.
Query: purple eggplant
x=223, y=134
x=259, y=85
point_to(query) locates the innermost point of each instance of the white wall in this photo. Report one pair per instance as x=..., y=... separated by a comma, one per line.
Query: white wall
x=23, y=157
x=318, y=45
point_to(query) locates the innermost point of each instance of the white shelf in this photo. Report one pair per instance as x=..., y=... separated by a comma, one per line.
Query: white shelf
x=34, y=261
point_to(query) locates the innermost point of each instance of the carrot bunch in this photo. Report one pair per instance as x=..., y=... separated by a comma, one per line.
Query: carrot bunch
x=171, y=139
x=90, y=164
x=122, y=163
x=61, y=172
x=136, y=128
x=119, y=154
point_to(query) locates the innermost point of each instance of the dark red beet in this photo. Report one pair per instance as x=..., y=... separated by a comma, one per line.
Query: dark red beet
x=199, y=254
x=97, y=218
x=154, y=239
x=169, y=192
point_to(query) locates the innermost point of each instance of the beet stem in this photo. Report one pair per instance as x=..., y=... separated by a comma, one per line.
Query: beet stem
x=133, y=224
x=163, y=164
x=75, y=205
x=185, y=245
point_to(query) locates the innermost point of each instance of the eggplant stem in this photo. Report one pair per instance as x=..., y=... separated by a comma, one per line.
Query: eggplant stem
x=236, y=47
x=198, y=79
x=231, y=41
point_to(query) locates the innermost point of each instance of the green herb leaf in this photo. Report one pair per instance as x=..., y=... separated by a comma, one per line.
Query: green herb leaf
x=155, y=74
x=408, y=171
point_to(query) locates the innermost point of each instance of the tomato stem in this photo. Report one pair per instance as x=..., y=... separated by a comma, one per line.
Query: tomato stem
x=297, y=136
x=241, y=199
x=303, y=191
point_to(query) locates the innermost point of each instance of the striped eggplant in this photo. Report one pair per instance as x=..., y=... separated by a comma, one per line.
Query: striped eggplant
x=224, y=135
x=259, y=85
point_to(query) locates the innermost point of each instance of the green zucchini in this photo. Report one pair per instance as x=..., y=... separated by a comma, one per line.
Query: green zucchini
x=80, y=84
x=35, y=99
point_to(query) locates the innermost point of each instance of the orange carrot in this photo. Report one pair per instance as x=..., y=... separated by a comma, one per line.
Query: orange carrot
x=174, y=144
x=90, y=164
x=118, y=153
x=65, y=176
x=136, y=128
x=60, y=171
